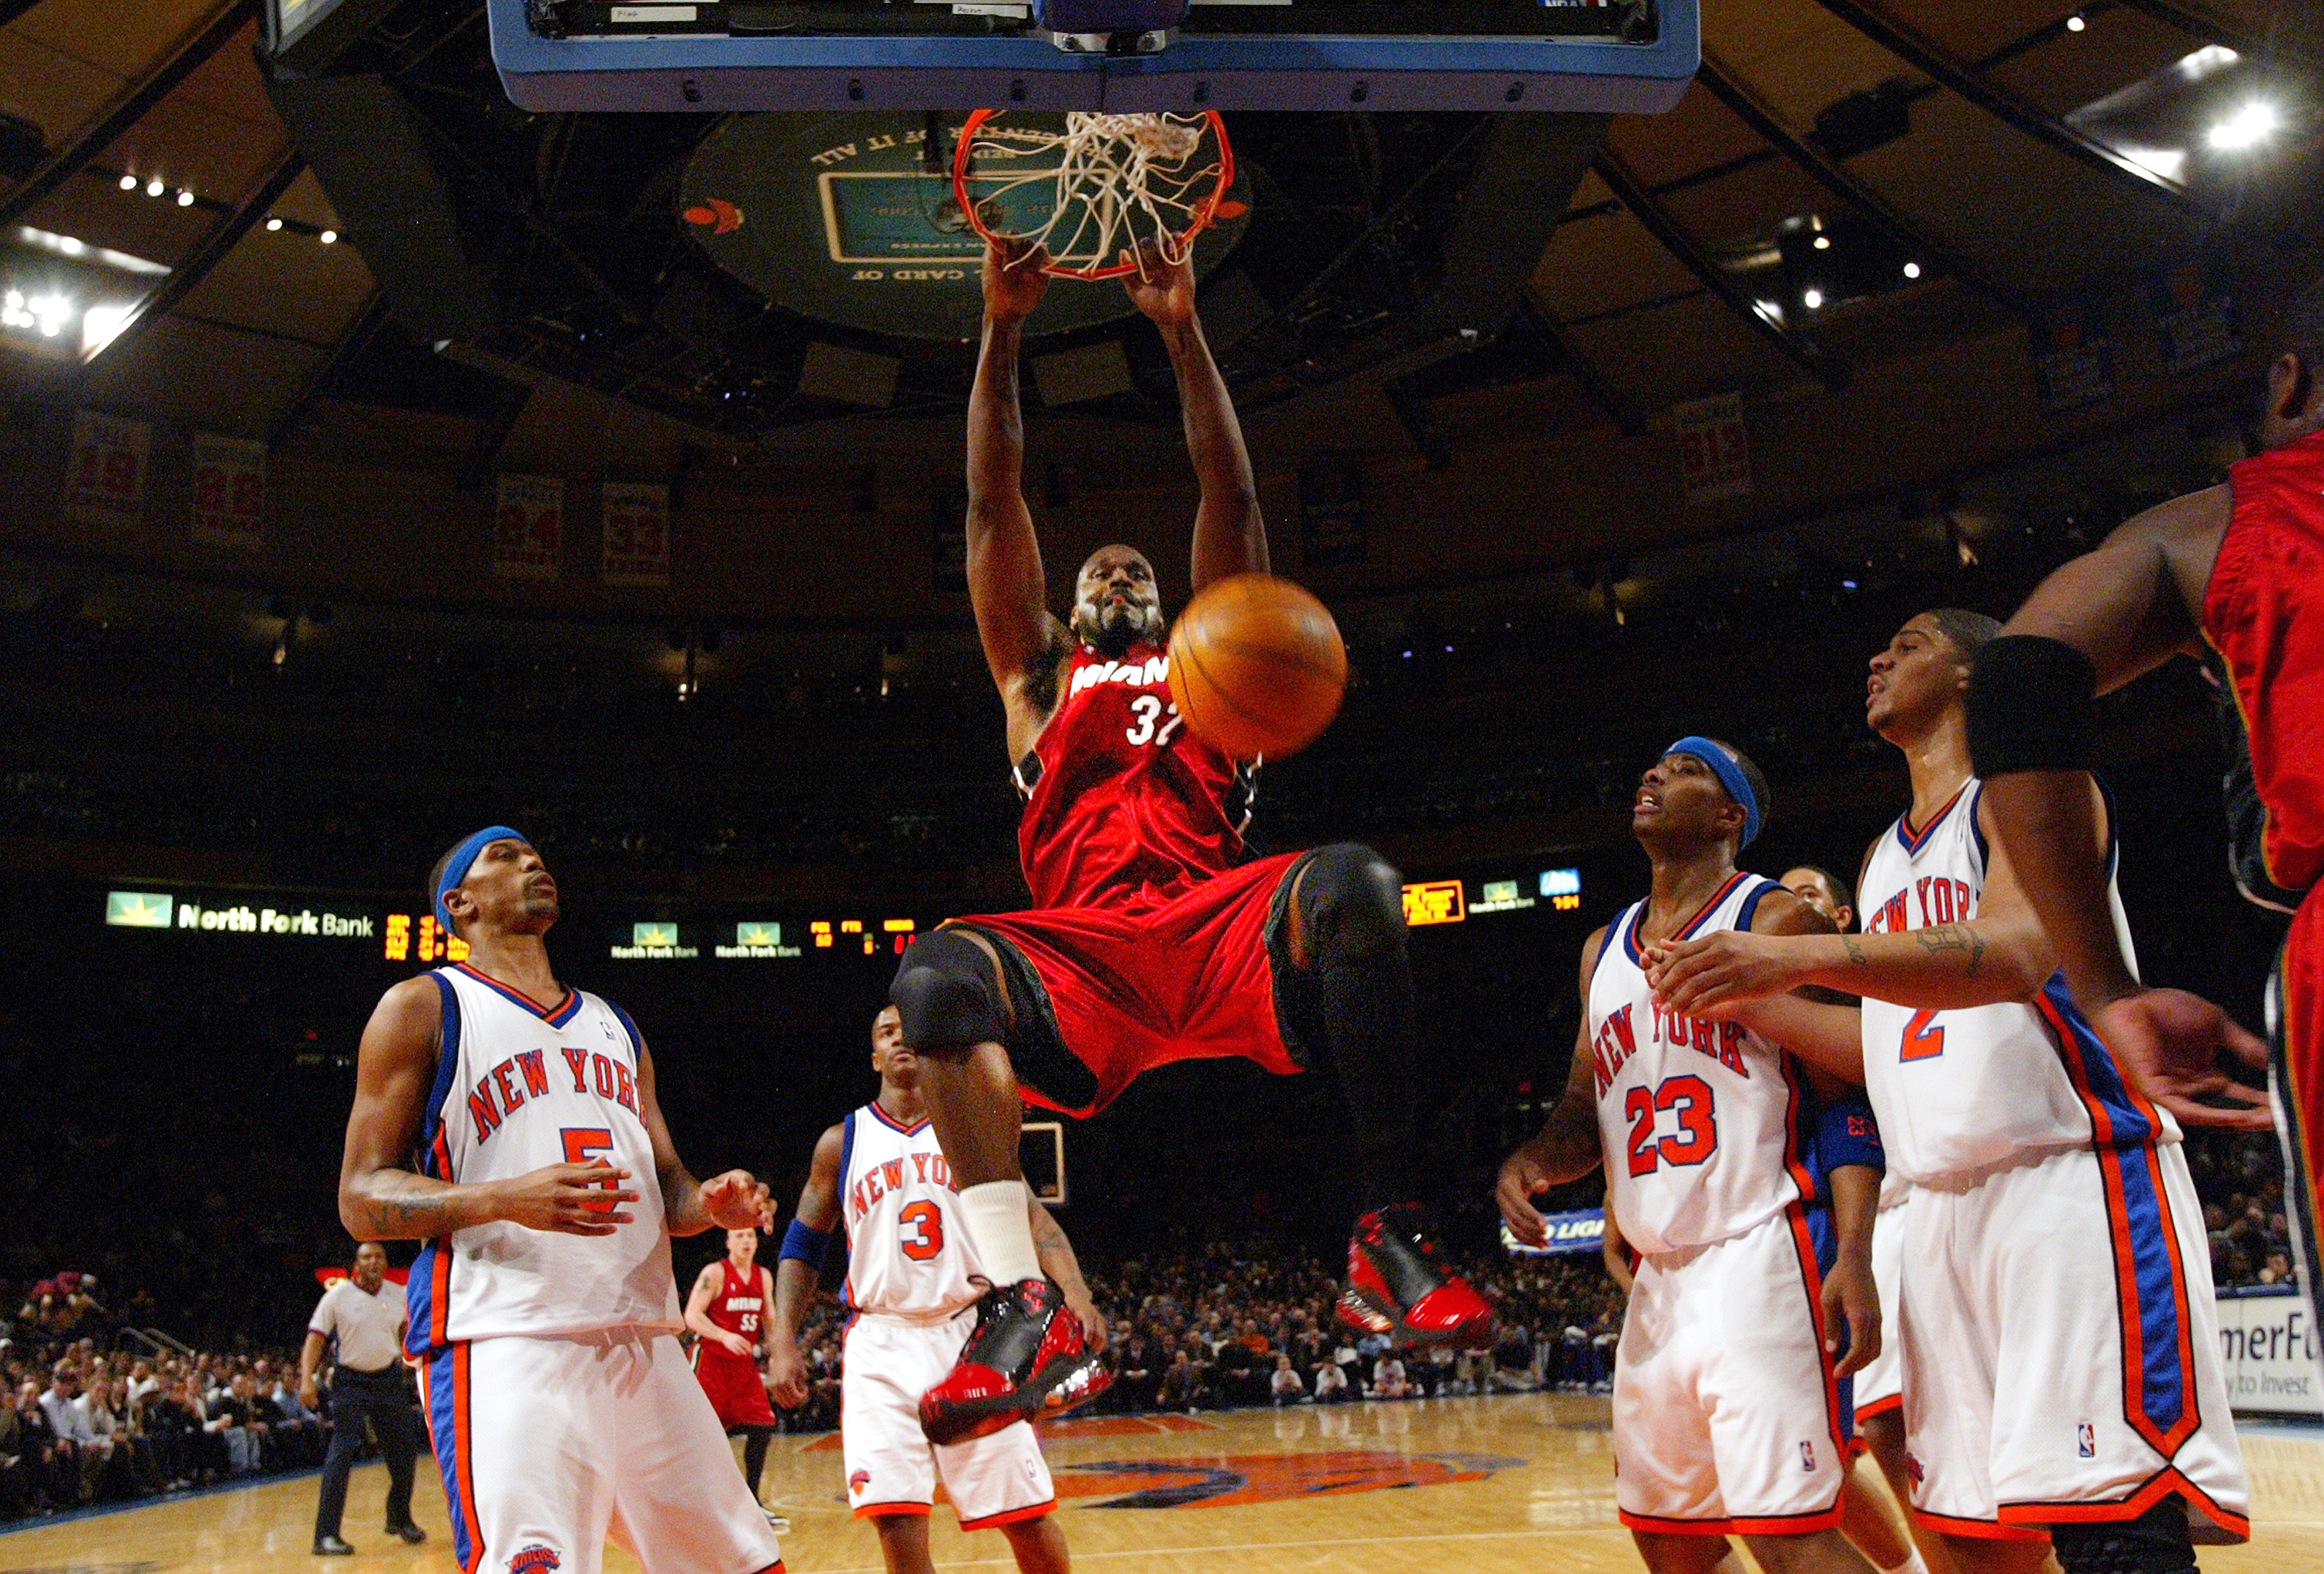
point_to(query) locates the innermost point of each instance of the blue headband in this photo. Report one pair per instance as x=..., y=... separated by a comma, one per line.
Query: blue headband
x=464, y=857
x=1730, y=777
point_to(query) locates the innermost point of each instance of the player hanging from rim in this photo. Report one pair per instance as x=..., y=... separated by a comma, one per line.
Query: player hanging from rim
x=2056, y=1271
x=543, y=1308
x=2231, y=571
x=1150, y=942
x=1729, y=1410
x=1873, y=1520
x=727, y=1310
x=911, y=1287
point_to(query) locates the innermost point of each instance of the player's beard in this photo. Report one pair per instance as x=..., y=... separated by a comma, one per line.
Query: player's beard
x=1112, y=628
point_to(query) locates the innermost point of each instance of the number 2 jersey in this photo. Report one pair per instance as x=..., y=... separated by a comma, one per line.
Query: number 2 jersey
x=908, y=1252
x=1124, y=808
x=1706, y=1126
x=1964, y=1090
x=521, y=1086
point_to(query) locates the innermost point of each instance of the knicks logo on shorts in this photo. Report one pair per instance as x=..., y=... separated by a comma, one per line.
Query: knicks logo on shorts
x=1913, y=1469
x=535, y=1559
x=859, y=1481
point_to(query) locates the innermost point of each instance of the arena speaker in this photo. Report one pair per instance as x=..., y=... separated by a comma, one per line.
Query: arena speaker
x=370, y=150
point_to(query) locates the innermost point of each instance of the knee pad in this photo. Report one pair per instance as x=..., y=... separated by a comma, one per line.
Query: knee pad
x=945, y=993
x=1351, y=904
x=2156, y=1543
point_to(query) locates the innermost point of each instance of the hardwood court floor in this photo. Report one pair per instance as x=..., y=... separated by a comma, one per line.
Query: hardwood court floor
x=1516, y=1485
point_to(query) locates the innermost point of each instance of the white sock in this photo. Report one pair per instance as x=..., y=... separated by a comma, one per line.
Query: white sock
x=1911, y=1565
x=1000, y=1231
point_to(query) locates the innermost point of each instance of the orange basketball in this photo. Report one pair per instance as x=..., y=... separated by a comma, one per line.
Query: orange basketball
x=1257, y=666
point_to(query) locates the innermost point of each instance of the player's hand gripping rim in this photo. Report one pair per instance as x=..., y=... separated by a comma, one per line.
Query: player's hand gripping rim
x=1014, y=279
x=1710, y=978
x=1524, y=1177
x=568, y=1199
x=2168, y=1043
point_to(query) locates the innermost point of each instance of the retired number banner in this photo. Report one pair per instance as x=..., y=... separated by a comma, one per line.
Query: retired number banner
x=529, y=526
x=1714, y=450
x=229, y=492
x=637, y=534
x=105, y=481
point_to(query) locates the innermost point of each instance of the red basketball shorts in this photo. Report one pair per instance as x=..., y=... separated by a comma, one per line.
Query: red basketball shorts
x=2296, y=1021
x=735, y=1390
x=1113, y=995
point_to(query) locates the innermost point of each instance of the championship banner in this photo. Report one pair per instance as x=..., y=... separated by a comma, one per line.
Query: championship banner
x=2195, y=316
x=637, y=534
x=1582, y=1230
x=229, y=492
x=1714, y=449
x=105, y=481
x=1334, y=527
x=2073, y=358
x=527, y=526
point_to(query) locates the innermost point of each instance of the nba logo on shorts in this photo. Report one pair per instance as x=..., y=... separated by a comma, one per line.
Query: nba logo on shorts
x=2086, y=1440
x=1807, y=1457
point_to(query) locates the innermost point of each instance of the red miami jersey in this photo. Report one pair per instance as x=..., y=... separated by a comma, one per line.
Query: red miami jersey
x=1124, y=808
x=739, y=1306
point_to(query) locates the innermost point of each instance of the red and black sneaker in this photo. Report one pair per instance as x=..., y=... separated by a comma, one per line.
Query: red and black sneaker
x=1026, y=1357
x=1399, y=1286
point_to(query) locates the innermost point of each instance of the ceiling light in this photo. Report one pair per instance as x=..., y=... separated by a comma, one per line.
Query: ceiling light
x=1823, y=242
x=101, y=325
x=154, y=187
x=2076, y=23
x=129, y=182
x=273, y=224
x=186, y=197
x=1912, y=270
x=328, y=238
x=2252, y=124
x=1812, y=299
x=50, y=312
x=16, y=300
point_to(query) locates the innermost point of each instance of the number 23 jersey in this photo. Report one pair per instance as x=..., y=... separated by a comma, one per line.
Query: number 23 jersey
x=1963, y=1090
x=908, y=1253
x=1700, y=1120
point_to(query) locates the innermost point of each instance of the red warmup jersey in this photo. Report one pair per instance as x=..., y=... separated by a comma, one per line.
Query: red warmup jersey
x=739, y=1306
x=2264, y=612
x=1125, y=809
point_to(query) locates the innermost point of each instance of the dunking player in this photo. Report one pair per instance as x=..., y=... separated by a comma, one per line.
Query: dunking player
x=1729, y=1414
x=2060, y=1347
x=1873, y=1520
x=2240, y=567
x=911, y=1285
x=727, y=1310
x=542, y=1306
x=1149, y=942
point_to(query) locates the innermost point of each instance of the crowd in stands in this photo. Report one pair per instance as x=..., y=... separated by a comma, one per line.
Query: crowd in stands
x=2241, y=1182
x=82, y=1421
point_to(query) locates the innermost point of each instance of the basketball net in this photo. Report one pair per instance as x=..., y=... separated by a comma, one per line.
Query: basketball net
x=1115, y=183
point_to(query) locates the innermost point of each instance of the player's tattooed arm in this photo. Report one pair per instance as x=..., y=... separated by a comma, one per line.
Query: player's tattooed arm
x=1059, y=1262
x=796, y=1281
x=380, y=1198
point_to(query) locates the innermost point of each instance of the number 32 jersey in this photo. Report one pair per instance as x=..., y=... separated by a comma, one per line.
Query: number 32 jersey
x=1964, y=1090
x=1700, y=1121
x=908, y=1252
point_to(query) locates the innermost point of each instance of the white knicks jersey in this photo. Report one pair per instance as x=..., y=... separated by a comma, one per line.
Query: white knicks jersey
x=1699, y=1119
x=520, y=1086
x=907, y=1251
x=1964, y=1090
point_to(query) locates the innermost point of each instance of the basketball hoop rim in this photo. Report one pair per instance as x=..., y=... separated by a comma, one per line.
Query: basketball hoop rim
x=1204, y=216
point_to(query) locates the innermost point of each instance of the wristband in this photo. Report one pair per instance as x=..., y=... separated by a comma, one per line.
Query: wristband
x=803, y=1244
x=2032, y=706
x=1847, y=1134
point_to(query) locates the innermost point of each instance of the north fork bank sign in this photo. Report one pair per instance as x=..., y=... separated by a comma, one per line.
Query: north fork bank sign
x=2268, y=1351
x=161, y=910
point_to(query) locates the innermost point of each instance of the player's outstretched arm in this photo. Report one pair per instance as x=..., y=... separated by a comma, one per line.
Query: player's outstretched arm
x=1568, y=1146
x=380, y=1198
x=1005, y=584
x=2002, y=955
x=796, y=1279
x=736, y=1200
x=1229, y=531
x=1058, y=1262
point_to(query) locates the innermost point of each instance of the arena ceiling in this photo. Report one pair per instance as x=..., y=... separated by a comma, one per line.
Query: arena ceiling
x=1867, y=218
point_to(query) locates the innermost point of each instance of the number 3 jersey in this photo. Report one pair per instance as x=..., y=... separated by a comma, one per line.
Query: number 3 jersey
x=908, y=1252
x=1124, y=808
x=520, y=1086
x=1961, y=1090
x=1703, y=1122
